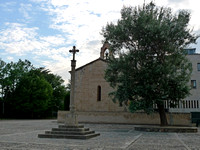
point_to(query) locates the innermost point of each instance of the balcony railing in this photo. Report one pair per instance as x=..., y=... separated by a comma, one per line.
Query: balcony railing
x=183, y=106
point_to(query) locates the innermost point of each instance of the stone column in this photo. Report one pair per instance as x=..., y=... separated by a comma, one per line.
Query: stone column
x=72, y=106
x=71, y=117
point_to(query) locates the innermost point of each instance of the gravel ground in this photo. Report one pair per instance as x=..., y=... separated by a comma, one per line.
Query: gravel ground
x=22, y=135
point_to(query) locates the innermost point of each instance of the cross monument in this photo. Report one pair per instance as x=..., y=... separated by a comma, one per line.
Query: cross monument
x=73, y=66
x=71, y=118
x=72, y=130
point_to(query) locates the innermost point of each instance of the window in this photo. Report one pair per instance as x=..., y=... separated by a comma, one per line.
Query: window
x=193, y=84
x=99, y=93
x=191, y=51
x=198, y=66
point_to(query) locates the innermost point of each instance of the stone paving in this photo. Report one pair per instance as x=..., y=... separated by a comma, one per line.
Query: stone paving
x=22, y=135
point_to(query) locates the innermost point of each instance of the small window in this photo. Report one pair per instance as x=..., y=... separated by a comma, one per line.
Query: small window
x=193, y=84
x=120, y=104
x=98, y=93
x=198, y=66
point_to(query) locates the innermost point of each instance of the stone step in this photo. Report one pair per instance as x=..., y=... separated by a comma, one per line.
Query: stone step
x=76, y=126
x=70, y=129
x=167, y=129
x=70, y=132
x=61, y=136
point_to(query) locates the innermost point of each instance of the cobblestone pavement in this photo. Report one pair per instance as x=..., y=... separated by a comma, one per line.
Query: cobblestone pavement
x=22, y=135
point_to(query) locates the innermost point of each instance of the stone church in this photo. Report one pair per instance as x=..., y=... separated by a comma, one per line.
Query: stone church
x=91, y=89
x=94, y=105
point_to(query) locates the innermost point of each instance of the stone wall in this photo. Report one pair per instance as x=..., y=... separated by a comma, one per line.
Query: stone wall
x=88, y=78
x=183, y=119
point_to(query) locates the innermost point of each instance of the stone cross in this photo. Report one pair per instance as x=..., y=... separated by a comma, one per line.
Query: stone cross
x=74, y=50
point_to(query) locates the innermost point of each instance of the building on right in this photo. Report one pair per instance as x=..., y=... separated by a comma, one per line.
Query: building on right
x=192, y=102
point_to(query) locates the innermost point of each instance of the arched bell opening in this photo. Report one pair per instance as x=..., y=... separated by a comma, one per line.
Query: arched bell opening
x=104, y=54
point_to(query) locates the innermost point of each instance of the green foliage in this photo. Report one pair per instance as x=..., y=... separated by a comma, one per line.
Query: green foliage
x=2, y=77
x=59, y=90
x=10, y=75
x=149, y=65
x=32, y=96
x=28, y=91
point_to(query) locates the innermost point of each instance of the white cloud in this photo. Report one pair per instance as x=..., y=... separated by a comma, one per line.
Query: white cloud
x=53, y=40
x=24, y=9
x=7, y=6
x=16, y=38
x=178, y=1
x=39, y=1
x=19, y=39
x=59, y=3
x=195, y=11
x=17, y=32
x=60, y=67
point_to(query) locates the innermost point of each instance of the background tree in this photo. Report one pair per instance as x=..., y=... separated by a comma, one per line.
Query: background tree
x=10, y=74
x=32, y=96
x=149, y=65
x=59, y=90
x=2, y=76
x=13, y=78
x=2, y=85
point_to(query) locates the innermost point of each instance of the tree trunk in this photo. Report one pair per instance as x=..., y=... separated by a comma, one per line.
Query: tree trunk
x=163, y=117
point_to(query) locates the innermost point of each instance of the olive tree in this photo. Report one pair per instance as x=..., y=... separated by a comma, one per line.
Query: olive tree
x=149, y=64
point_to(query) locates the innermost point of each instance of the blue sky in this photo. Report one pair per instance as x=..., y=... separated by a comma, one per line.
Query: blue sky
x=43, y=31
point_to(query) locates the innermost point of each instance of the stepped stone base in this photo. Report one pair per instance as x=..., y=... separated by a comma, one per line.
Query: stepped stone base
x=69, y=132
x=167, y=129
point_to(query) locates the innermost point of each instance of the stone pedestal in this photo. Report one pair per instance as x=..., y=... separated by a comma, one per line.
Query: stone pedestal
x=71, y=119
x=69, y=132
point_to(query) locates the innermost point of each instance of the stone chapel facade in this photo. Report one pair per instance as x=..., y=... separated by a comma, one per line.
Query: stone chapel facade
x=91, y=89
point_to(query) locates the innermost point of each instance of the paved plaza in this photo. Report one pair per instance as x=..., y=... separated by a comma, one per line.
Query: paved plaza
x=22, y=135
